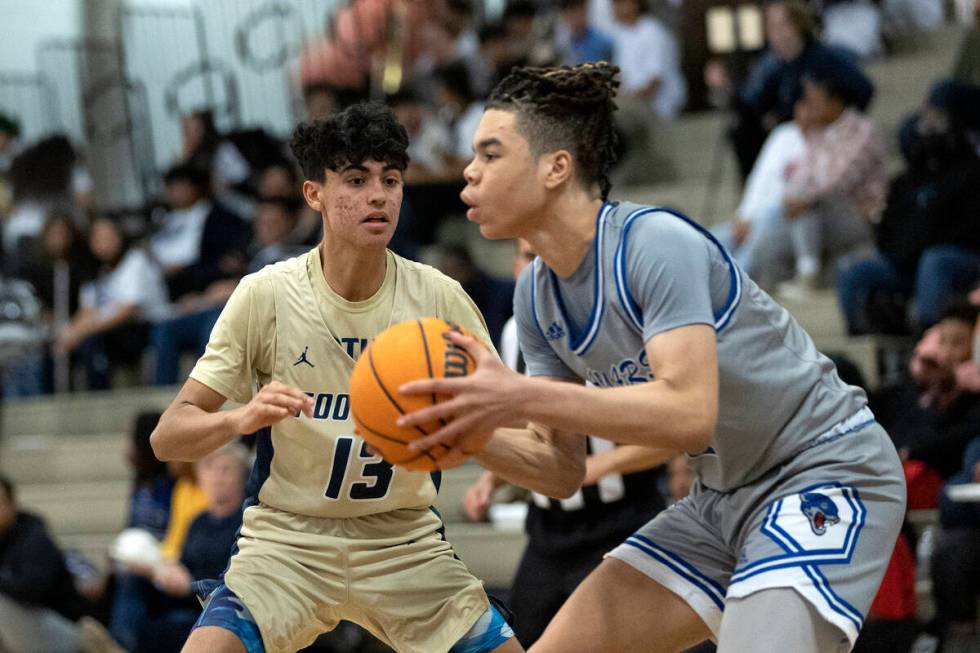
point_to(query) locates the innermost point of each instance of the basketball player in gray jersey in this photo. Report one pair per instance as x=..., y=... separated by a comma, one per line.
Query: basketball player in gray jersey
x=799, y=496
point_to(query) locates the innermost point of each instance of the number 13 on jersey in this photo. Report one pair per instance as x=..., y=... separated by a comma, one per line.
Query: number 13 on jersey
x=370, y=479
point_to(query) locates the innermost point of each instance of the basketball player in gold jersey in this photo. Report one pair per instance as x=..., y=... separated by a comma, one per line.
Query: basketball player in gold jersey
x=334, y=532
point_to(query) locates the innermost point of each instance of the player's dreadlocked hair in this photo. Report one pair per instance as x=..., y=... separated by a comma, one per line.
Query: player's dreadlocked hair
x=361, y=132
x=570, y=108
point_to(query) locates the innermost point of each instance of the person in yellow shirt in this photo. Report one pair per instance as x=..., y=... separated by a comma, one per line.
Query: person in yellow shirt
x=186, y=503
x=333, y=532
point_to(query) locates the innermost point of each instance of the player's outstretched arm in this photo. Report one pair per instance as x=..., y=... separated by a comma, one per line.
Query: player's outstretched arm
x=676, y=410
x=193, y=426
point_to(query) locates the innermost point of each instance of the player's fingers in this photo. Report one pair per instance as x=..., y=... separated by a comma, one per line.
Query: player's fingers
x=285, y=400
x=432, y=386
x=448, y=435
x=454, y=457
x=469, y=343
x=442, y=410
x=270, y=414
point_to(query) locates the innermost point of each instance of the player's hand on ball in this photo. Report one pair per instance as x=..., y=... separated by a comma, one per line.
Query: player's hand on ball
x=273, y=403
x=481, y=402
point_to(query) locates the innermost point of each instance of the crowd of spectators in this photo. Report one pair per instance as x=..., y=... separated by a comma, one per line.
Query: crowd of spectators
x=142, y=288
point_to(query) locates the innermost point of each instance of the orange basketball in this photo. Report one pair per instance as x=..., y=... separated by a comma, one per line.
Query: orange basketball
x=405, y=352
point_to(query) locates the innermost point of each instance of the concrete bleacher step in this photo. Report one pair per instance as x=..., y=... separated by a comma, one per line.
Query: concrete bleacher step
x=64, y=459
x=81, y=413
x=490, y=553
x=818, y=314
x=98, y=508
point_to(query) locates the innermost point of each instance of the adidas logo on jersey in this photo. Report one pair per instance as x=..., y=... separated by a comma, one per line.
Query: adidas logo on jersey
x=555, y=331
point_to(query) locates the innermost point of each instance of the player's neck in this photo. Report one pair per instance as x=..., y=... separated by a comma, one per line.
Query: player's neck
x=563, y=238
x=355, y=275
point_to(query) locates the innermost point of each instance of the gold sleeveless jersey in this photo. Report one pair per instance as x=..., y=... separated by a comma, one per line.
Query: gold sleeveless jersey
x=285, y=323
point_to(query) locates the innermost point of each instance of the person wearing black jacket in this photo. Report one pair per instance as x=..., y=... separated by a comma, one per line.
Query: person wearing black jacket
x=928, y=240
x=40, y=608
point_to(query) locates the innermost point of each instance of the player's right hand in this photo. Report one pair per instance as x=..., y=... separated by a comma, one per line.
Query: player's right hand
x=478, y=497
x=273, y=403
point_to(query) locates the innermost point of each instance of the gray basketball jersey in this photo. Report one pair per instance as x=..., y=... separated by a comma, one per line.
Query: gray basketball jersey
x=651, y=270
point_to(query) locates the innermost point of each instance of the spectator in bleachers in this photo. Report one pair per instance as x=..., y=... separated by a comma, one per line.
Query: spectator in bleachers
x=281, y=180
x=929, y=416
x=40, y=607
x=652, y=90
x=200, y=241
x=910, y=16
x=967, y=67
x=649, y=60
x=110, y=327
x=834, y=193
x=491, y=295
x=149, y=502
x=769, y=96
x=761, y=208
x=205, y=553
x=928, y=240
x=576, y=40
x=275, y=223
x=956, y=561
x=132, y=604
x=202, y=247
x=149, y=509
x=459, y=106
x=854, y=26
x=44, y=175
x=9, y=145
x=524, y=33
x=56, y=268
x=429, y=137
x=496, y=51
x=204, y=148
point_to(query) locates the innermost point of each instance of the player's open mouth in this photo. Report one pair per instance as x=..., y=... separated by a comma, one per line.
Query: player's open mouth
x=376, y=218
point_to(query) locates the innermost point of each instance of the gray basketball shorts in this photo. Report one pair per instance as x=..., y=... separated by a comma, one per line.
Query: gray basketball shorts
x=823, y=523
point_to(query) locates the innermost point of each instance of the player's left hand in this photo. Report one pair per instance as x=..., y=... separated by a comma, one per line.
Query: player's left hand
x=488, y=398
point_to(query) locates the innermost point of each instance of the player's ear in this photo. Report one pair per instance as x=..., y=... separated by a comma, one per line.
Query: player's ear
x=559, y=168
x=311, y=193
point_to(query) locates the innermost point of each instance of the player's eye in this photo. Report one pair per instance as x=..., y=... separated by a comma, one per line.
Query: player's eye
x=392, y=182
x=489, y=156
x=356, y=181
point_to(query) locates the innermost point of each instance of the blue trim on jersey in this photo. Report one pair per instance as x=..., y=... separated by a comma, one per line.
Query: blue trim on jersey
x=632, y=307
x=436, y=479
x=836, y=603
x=681, y=567
x=796, y=555
x=579, y=342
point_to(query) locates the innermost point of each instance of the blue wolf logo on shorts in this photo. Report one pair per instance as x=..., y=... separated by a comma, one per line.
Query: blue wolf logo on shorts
x=820, y=510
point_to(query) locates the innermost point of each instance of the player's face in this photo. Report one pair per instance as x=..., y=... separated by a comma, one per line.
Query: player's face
x=505, y=187
x=359, y=203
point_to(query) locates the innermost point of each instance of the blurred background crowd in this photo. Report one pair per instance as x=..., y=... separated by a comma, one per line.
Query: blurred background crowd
x=132, y=201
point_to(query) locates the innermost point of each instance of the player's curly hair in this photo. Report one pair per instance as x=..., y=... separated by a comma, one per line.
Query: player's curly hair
x=569, y=108
x=366, y=131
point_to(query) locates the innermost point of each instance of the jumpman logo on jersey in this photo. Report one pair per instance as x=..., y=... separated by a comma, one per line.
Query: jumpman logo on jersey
x=303, y=359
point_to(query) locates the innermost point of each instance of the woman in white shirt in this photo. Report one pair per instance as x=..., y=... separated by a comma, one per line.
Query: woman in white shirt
x=110, y=325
